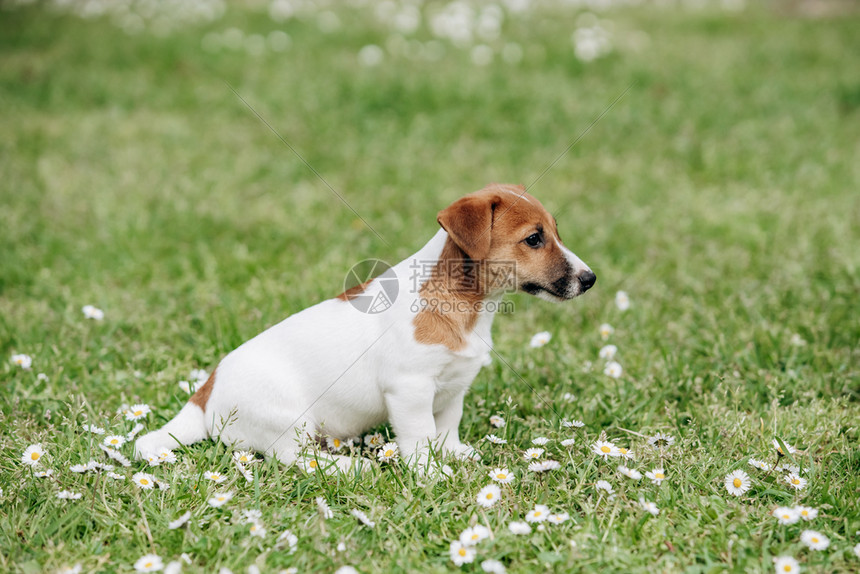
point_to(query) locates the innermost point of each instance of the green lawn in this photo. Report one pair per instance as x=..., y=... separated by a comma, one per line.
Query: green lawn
x=721, y=193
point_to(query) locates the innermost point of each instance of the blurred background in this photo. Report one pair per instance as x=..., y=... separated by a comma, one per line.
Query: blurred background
x=199, y=169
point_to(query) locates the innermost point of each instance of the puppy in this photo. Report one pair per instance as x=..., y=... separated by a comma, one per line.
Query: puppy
x=403, y=347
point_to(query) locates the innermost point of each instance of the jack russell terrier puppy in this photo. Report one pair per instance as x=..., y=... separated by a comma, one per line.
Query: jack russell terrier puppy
x=337, y=370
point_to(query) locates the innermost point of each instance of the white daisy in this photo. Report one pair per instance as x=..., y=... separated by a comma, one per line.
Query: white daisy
x=309, y=465
x=143, y=480
x=200, y=375
x=334, y=444
x=93, y=428
x=519, y=528
x=133, y=432
x=290, y=539
x=23, y=361
x=115, y=476
x=149, y=563
x=630, y=472
x=661, y=440
x=502, y=475
x=495, y=440
x=461, y=554
x=574, y=423
x=115, y=455
x=558, y=518
x=497, y=421
x=166, y=455
x=786, y=515
x=605, y=486
x=540, y=441
x=93, y=313
x=606, y=331
x=788, y=468
x=626, y=453
x=568, y=442
x=114, y=441
x=388, y=452
x=538, y=514
x=857, y=550
x=540, y=339
x=649, y=507
x=471, y=536
x=136, y=412
x=246, y=473
x=33, y=454
x=622, y=301
x=374, y=440
x=244, y=456
x=791, y=449
x=657, y=476
x=759, y=464
x=220, y=499
x=489, y=495
x=814, y=540
x=608, y=352
x=258, y=530
x=69, y=495
x=807, y=513
x=544, y=465
x=796, y=482
x=43, y=473
x=605, y=449
x=613, y=369
x=533, y=453
x=80, y=468
x=786, y=565
x=737, y=482
x=41, y=377
x=493, y=567
x=215, y=477
x=323, y=508
x=362, y=517
x=179, y=522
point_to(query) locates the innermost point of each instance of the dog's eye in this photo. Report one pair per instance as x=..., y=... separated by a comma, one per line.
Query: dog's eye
x=534, y=240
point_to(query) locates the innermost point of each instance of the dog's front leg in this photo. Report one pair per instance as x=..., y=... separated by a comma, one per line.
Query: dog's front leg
x=410, y=411
x=448, y=425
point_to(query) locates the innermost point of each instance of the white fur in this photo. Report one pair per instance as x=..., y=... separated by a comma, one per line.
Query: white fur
x=331, y=370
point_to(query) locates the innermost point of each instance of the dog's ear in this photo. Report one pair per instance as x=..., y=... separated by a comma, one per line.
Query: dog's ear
x=469, y=223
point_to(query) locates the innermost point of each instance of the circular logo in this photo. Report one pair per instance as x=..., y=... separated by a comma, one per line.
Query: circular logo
x=371, y=286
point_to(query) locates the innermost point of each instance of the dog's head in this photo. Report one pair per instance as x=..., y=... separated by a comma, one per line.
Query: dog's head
x=517, y=242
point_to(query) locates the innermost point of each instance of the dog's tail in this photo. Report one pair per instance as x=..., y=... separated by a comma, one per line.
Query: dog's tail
x=187, y=427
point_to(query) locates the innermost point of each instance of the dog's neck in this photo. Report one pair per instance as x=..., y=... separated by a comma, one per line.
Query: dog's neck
x=454, y=298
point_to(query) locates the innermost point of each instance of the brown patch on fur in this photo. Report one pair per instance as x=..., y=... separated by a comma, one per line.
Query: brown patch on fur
x=485, y=229
x=201, y=396
x=354, y=292
x=452, y=300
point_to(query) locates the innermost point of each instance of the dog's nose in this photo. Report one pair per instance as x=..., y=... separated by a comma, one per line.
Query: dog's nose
x=586, y=279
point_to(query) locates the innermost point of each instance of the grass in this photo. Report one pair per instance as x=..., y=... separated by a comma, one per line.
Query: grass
x=720, y=192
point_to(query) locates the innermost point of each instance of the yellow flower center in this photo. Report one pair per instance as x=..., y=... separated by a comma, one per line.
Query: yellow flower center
x=475, y=537
x=243, y=458
x=336, y=443
x=538, y=513
x=659, y=475
x=144, y=481
x=221, y=498
x=312, y=464
x=148, y=565
x=737, y=482
x=34, y=456
x=462, y=552
x=622, y=450
x=795, y=481
x=138, y=413
x=389, y=453
x=605, y=448
x=804, y=512
x=501, y=476
x=786, y=568
x=786, y=517
x=489, y=496
x=113, y=441
x=815, y=540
